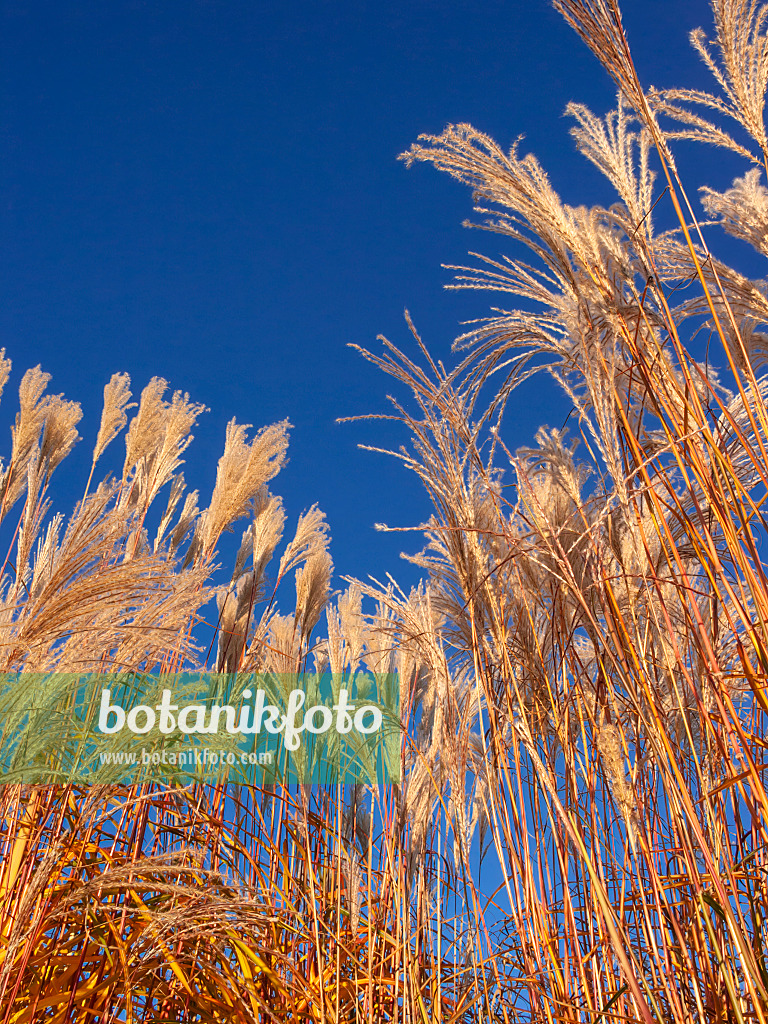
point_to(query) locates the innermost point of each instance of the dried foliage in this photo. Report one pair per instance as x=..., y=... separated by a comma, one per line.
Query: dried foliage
x=580, y=831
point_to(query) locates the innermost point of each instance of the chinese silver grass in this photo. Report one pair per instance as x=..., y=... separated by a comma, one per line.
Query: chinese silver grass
x=59, y=432
x=25, y=435
x=5, y=370
x=267, y=528
x=147, y=425
x=741, y=72
x=313, y=588
x=185, y=522
x=310, y=537
x=114, y=416
x=242, y=471
x=174, y=497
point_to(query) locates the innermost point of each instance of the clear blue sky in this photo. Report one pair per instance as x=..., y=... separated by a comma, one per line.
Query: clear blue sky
x=208, y=190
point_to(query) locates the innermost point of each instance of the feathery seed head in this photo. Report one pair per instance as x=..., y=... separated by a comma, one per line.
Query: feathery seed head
x=243, y=469
x=117, y=396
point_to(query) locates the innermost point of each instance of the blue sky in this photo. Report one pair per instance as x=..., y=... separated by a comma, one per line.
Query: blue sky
x=208, y=190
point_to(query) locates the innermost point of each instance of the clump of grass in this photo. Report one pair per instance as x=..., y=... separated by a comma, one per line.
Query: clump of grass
x=144, y=903
x=609, y=610
x=580, y=832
